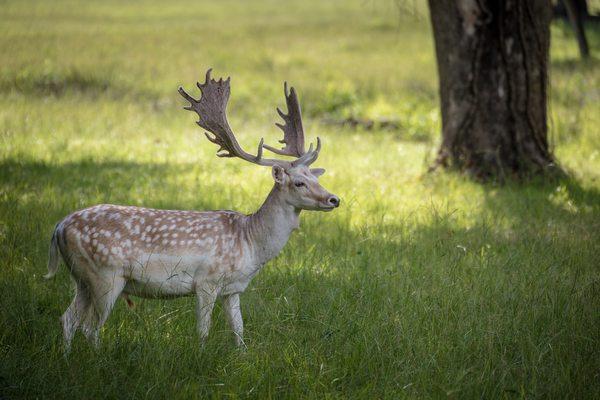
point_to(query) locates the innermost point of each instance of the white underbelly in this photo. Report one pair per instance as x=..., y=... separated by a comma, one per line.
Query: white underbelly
x=168, y=276
x=158, y=290
x=159, y=275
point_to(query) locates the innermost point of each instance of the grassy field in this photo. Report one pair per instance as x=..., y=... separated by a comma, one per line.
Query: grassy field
x=419, y=286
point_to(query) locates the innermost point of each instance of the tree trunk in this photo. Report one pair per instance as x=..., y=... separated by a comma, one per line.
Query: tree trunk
x=560, y=11
x=492, y=64
x=576, y=17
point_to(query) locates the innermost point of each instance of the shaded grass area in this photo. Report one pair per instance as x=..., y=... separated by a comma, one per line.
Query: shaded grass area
x=419, y=286
x=426, y=304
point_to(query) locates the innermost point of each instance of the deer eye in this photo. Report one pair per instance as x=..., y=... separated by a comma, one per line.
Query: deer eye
x=299, y=184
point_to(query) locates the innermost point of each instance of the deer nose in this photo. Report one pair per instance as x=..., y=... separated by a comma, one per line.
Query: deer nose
x=334, y=201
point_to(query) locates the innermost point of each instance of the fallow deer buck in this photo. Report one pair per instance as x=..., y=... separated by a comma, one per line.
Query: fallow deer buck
x=118, y=250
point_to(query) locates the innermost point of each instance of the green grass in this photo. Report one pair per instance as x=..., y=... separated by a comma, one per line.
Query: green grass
x=419, y=286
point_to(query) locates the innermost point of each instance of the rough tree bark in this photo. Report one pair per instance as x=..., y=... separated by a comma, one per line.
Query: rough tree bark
x=492, y=64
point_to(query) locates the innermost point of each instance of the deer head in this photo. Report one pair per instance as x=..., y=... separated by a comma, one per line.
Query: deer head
x=296, y=181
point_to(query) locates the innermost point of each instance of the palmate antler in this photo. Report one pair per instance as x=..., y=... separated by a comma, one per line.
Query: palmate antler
x=211, y=108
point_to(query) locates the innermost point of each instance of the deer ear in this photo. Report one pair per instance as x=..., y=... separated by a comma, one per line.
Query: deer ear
x=279, y=174
x=317, y=171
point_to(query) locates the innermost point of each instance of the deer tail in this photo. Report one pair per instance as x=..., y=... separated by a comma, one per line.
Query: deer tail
x=54, y=253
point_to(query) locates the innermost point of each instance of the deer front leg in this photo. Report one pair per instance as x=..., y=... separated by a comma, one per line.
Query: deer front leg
x=231, y=304
x=207, y=296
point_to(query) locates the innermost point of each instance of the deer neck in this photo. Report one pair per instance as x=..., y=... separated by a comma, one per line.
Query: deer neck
x=269, y=228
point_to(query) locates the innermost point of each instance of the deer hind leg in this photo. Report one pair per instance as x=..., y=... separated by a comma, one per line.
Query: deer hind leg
x=105, y=293
x=75, y=314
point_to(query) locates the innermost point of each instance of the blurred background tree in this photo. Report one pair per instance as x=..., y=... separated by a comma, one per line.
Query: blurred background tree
x=577, y=11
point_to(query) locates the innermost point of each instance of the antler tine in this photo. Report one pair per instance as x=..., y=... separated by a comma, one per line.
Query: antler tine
x=293, y=132
x=310, y=156
x=188, y=98
x=211, y=108
x=259, y=151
